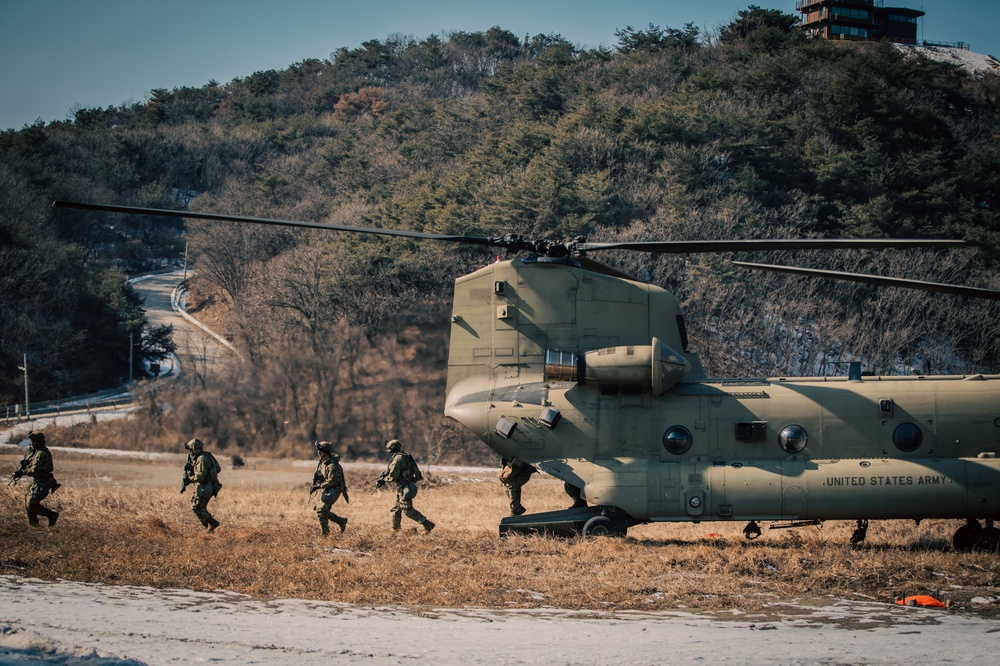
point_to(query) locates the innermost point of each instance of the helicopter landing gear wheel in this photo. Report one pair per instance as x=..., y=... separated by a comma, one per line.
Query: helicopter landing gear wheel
x=601, y=526
x=966, y=536
x=860, y=532
x=989, y=540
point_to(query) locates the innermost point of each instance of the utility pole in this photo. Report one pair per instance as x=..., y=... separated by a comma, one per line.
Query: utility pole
x=27, y=409
x=185, y=261
x=131, y=348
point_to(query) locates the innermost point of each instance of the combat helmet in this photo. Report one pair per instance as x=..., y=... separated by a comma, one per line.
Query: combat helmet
x=194, y=445
x=324, y=447
x=393, y=445
x=36, y=438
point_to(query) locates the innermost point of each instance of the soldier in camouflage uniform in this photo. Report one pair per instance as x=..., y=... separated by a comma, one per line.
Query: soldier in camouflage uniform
x=329, y=477
x=402, y=474
x=204, y=472
x=574, y=494
x=39, y=467
x=515, y=474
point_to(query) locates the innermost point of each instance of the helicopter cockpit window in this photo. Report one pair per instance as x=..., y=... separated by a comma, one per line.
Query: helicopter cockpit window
x=560, y=366
x=907, y=437
x=677, y=440
x=793, y=438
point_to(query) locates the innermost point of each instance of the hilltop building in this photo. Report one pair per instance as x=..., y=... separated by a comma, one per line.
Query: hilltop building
x=858, y=20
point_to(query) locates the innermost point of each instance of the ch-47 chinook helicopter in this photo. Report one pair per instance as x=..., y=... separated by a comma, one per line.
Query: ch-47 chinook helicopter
x=585, y=373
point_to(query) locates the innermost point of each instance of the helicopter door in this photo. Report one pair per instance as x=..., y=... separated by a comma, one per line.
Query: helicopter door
x=794, y=490
x=664, y=490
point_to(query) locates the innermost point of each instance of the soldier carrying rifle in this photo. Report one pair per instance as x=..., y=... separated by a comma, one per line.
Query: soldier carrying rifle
x=402, y=474
x=329, y=477
x=203, y=470
x=38, y=465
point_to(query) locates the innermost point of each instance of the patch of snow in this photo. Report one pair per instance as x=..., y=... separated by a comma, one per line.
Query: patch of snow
x=62, y=622
x=974, y=63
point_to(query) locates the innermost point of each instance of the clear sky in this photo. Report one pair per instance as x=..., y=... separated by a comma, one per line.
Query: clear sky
x=58, y=55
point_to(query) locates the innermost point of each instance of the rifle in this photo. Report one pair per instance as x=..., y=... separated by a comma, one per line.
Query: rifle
x=188, y=477
x=380, y=481
x=19, y=472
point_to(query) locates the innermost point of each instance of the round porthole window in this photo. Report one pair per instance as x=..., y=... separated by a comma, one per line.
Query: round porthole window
x=793, y=438
x=907, y=437
x=677, y=440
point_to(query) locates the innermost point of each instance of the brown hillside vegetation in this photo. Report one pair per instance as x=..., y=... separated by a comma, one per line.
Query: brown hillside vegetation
x=123, y=522
x=369, y=392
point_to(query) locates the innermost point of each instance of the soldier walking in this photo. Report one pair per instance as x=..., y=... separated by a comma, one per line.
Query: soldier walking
x=329, y=477
x=38, y=465
x=515, y=474
x=402, y=473
x=202, y=469
x=575, y=494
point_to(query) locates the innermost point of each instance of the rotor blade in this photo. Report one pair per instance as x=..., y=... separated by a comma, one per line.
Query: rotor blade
x=973, y=292
x=753, y=245
x=102, y=208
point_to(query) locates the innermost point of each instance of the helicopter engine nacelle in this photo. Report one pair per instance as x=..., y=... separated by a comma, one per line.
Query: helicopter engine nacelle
x=655, y=366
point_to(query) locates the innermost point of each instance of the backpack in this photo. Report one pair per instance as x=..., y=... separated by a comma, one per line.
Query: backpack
x=214, y=469
x=213, y=466
x=412, y=474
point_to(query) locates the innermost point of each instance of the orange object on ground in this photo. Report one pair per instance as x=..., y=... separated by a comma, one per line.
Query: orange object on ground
x=921, y=600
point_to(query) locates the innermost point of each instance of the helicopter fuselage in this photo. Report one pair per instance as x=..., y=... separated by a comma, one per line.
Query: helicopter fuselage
x=584, y=375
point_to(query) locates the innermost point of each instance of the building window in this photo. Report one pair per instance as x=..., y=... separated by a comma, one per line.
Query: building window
x=844, y=12
x=849, y=31
x=900, y=18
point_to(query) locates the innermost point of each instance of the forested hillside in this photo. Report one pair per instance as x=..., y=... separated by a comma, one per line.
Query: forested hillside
x=751, y=132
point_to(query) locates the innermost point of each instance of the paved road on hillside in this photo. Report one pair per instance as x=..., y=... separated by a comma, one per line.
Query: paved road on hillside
x=200, y=351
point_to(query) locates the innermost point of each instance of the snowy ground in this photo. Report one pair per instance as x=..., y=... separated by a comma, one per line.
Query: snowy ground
x=44, y=622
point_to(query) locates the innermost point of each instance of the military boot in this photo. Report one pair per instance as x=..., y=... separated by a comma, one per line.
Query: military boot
x=428, y=526
x=342, y=522
x=53, y=517
x=212, y=524
x=324, y=525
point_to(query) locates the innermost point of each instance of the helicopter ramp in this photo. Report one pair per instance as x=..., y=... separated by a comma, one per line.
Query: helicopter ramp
x=568, y=522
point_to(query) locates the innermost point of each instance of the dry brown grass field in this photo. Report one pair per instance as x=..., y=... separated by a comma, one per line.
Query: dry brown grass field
x=124, y=522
